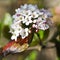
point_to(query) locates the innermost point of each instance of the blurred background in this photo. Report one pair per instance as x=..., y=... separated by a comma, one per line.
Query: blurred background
x=7, y=9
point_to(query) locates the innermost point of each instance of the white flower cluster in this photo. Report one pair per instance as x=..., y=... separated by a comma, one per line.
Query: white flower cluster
x=26, y=15
x=17, y=30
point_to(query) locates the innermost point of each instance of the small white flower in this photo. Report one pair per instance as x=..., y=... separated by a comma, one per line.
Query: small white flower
x=35, y=15
x=34, y=26
x=39, y=20
x=32, y=7
x=27, y=13
x=26, y=29
x=13, y=26
x=24, y=33
x=24, y=6
x=41, y=13
x=20, y=18
x=17, y=10
x=45, y=16
x=15, y=17
x=11, y=31
x=34, y=21
x=14, y=37
x=46, y=13
x=42, y=25
x=27, y=20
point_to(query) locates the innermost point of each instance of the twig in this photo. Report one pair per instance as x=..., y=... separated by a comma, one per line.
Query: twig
x=38, y=47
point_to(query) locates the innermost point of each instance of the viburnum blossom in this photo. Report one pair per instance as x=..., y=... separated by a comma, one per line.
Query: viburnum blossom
x=27, y=20
x=27, y=17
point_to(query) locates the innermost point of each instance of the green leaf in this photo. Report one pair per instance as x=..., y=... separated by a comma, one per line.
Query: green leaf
x=35, y=40
x=7, y=19
x=6, y=33
x=41, y=34
x=0, y=28
x=5, y=25
x=32, y=56
x=58, y=58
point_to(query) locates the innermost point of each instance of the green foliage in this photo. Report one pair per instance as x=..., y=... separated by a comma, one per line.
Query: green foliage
x=35, y=40
x=4, y=25
x=0, y=28
x=7, y=19
x=6, y=33
x=32, y=56
x=41, y=34
x=58, y=58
